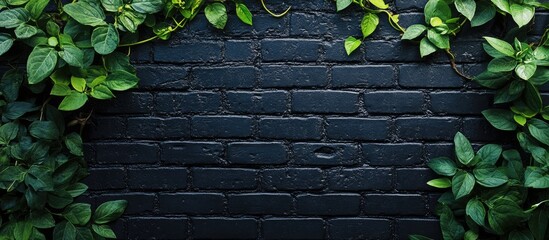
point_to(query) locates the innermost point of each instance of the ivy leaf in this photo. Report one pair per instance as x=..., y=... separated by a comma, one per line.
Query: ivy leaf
x=44, y=130
x=36, y=7
x=73, y=142
x=489, y=176
x=522, y=14
x=64, y=231
x=6, y=41
x=505, y=214
x=78, y=83
x=525, y=70
x=464, y=150
x=450, y=227
x=437, y=8
x=78, y=213
x=538, y=223
x=504, y=64
x=489, y=153
x=443, y=166
x=503, y=5
x=501, y=46
x=539, y=130
x=379, y=4
x=39, y=178
x=466, y=7
x=102, y=92
x=414, y=31
x=25, y=31
x=440, y=183
x=41, y=63
x=105, y=39
x=475, y=209
x=536, y=177
x=426, y=47
x=484, y=13
x=439, y=40
x=147, y=6
x=351, y=44
x=12, y=18
x=462, y=184
x=121, y=81
x=77, y=189
x=109, y=211
x=8, y=132
x=86, y=13
x=112, y=5
x=500, y=119
x=243, y=13
x=73, y=101
x=15, y=110
x=368, y=24
x=22, y=230
x=130, y=20
x=103, y=231
x=216, y=13
x=72, y=55
x=42, y=219
x=342, y=4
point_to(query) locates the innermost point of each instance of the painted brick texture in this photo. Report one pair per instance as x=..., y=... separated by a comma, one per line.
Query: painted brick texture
x=272, y=132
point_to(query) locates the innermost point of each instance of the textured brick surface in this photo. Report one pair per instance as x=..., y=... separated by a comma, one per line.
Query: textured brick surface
x=273, y=132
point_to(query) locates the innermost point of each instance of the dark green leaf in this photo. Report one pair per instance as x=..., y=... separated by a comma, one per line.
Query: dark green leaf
x=535, y=177
x=216, y=13
x=522, y=14
x=513, y=164
x=451, y=228
x=540, y=77
x=59, y=199
x=443, y=166
x=475, y=209
x=103, y=231
x=102, y=92
x=109, y=211
x=538, y=223
x=500, y=119
x=72, y=55
x=44, y=130
x=342, y=4
x=490, y=176
x=121, y=80
x=439, y=40
x=25, y=31
x=105, y=39
x=464, y=150
x=510, y=92
x=147, y=6
x=73, y=141
x=505, y=214
x=39, y=178
x=8, y=132
x=489, y=154
x=73, y=101
x=492, y=80
x=484, y=13
x=414, y=31
x=14, y=17
x=462, y=184
x=22, y=230
x=504, y=64
x=36, y=7
x=118, y=61
x=78, y=213
x=86, y=12
x=466, y=7
x=130, y=20
x=42, y=219
x=6, y=41
x=41, y=63
x=437, y=8
x=501, y=46
x=64, y=231
x=77, y=189
x=426, y=47
x=112, y=5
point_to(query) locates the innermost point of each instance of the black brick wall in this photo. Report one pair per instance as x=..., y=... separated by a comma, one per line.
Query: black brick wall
x=272, y=132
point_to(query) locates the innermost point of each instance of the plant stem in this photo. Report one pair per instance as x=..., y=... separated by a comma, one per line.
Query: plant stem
x=454, y=65
x=272, y=13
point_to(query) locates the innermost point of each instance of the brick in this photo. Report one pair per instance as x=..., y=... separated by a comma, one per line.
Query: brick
x=221, y=126
x=293, y=228
x=158, y=128
x=191, y=203
x=410, y=4
x=293, y=50
x=283, y=76
x=270, y=102
x=138, y=203
x=328, y=204
x=126, y=153
x=264, y=25
x=335, y=52
x=329, y=154
x=414, y=179
x=290, y=128
x=358, y=179
x=157, y=228
x=479, y=129
x=394, y=102
x=357, y=128
x=427, y=128
x=359, y=228
x=203, y=51
x=428, y=76
x=106, y=128
x=324, y=102
x=223, y=77
x=224, y=178
x=460, y=103
x=439, y=150
x=392, y=154
x=292, y=179
x=389, y=51
x=260, y=203
x=157, y=178
x=194, y=102
x=426, y=227
x=96, y=179
x=127, y=103
x=191, y=152
x=363, y=76
x=236, y=50
x=224, y=228
x=257, y=153
x=394, y=204
x=162, y=77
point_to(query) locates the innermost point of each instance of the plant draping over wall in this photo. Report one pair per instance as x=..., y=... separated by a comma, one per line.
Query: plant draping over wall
x=76, y=53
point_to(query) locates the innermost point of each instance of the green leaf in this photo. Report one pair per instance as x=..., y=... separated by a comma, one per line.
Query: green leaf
x=10, y=83
x=470, y=235
x=22, y=230
x=504, y=64
x=78, y=213
x=39, y=178
x=14, y=17
x=147, y=6
x=414, y=31
x=86, y=13
x=437, y=8
x=536, y=177
x=484, y=13
x=84, y=233
x=466, y=7
x=102, y=92
x=489, y=154
x=41, y=63
x=109, y=211
x=538, y=223
x=342, y=4
x=521, y=235
x=25, y=31
x=130, y=20
x=539, y=130
x=462, y=184
x=418, y=237
x=59, y=199
x=8, y=132
x=105, y=39
x=36, y=7
x=490, y=176
x=6, y=41
x=503, y=5
x=73, y=101
x=216, y=13
x=44, y=130
x=78, y=83
x=112, y=5
x=369, y=24
x=513, y=164
x=103, y=231
x=510, y=92
x=60, y=90
x=15, y=110
x=450, y=227
x=73, y=141
x=426, y=47
x=464, y=150
x=475, y=209
x=522, y=14
x=443, y=166
x=505, y=214
x=500, y=119
x=439, y=40
x=440, y=183
x=121, y=81
x=379, y=4
x=77, y=189
x=501, y=46
x=72, y=55
x=41, y=219
x=243, y=13
x=525, y=70
x=492, y=80
x=118, y=61
x=351, y=44
x=64, y=231
x=532, y=98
